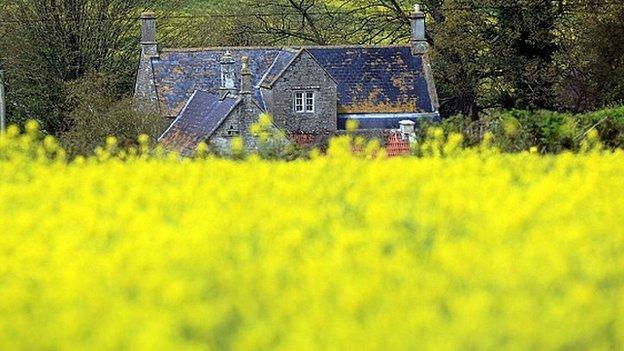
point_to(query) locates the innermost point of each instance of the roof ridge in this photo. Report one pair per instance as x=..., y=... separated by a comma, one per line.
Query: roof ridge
x=354, y=46
x=221, y=48
x=284, y=48
x=264, y=76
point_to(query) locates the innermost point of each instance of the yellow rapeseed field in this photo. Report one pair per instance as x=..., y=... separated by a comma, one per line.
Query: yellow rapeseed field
x=457, y=250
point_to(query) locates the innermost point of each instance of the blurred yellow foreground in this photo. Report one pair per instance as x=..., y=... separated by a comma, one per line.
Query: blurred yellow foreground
x=462, y=250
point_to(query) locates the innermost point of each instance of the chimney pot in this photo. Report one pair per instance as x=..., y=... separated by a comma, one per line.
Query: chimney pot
x=148, y=15
x=245, y=64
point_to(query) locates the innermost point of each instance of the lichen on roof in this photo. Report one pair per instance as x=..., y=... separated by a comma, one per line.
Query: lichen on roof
x=370, y=79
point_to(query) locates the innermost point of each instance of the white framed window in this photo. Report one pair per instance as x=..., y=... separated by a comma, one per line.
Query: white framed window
x=299, y=101
x=309, y=101
x=304, y=101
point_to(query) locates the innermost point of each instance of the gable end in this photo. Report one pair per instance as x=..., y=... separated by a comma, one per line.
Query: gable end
x=269, y=81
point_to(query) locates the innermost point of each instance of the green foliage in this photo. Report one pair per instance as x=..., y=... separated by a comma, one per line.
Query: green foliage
x=96, y=115
x=548, y=131
x=593, y=59
x=45, y=46
x=495, y=53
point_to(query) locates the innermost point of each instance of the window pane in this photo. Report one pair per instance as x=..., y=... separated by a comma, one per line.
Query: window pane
x=309, y=102
x=299, y=102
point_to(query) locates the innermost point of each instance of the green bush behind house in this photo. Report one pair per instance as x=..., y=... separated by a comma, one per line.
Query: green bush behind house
x=548, y=131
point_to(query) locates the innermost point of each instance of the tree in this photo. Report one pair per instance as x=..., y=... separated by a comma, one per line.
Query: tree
x=463, y=62
x=593, y=60
x=323, y=22
x=96, y=113
x=524, y=42
x=48, y=43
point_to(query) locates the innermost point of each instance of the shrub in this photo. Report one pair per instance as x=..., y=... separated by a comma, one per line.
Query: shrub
x=549, y=132
x=96, y=115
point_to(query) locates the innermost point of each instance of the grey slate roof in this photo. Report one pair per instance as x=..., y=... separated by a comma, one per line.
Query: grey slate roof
x=178, y=73
x=370, y=79
x=281, y=62
x=200, y=118
x=376, y=79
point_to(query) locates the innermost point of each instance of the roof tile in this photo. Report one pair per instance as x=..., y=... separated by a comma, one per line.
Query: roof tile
x=201, y=117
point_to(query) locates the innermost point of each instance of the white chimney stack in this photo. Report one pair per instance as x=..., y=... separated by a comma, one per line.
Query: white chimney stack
x=228, y=73
x=408, y=130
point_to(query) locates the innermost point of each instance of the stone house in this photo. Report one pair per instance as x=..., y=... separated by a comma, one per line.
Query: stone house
x=216, y=94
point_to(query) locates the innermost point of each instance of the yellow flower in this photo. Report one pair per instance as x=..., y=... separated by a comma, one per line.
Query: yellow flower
x=238, y=145
x=32, y=127
x=255, y=129
x=111, y=142
x=438, y=133
x=352, y=125
x=202, y=149
x=457, y=248
x=143, y=139
x=265, y=120
x=49, y=143
x=12, y=131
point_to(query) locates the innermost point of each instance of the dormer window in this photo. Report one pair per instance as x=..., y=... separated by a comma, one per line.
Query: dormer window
x=304, y=101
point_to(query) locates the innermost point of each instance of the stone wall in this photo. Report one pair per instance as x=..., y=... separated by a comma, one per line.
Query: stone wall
x=145, y=97
x=304, y=74
x=240, y=119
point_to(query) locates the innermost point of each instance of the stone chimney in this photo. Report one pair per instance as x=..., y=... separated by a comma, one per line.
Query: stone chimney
x=228, y=74
x=419, y=41
x=145, y=96
x=420, y=47
x=246, y=84
x=149, y=45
